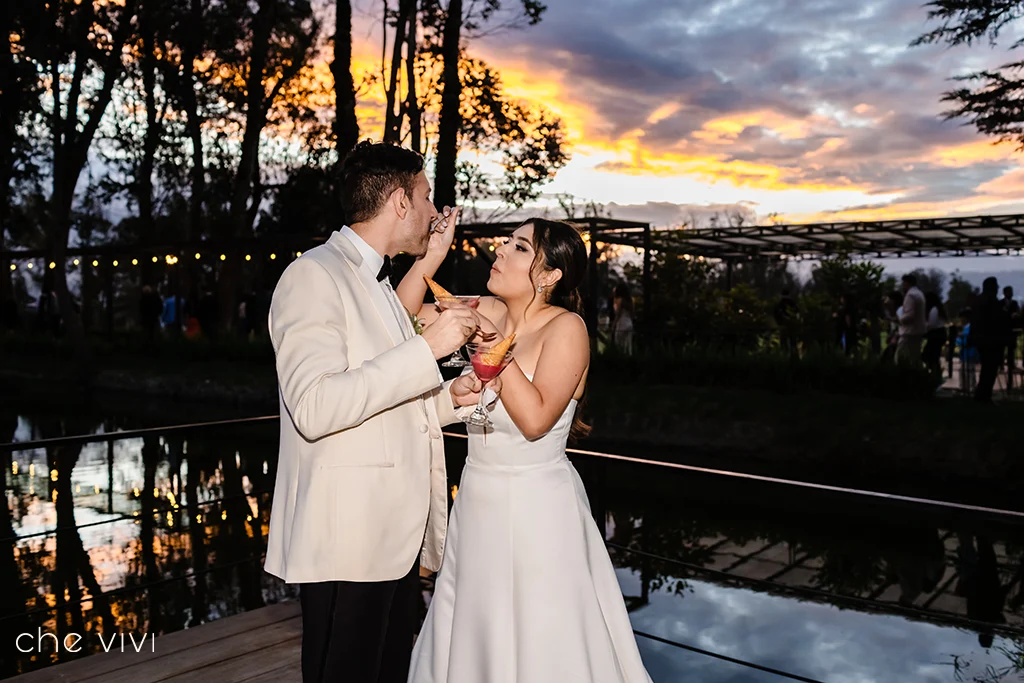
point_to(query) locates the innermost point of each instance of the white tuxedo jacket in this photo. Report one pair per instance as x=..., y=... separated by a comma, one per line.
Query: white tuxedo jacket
x=361, y=485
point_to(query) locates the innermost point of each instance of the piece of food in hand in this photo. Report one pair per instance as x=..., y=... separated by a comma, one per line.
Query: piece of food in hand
x=496, y=354
x=440, y=293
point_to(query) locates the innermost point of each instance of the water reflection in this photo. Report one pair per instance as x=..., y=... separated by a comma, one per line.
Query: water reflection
x=162, y=532
x=141, y=535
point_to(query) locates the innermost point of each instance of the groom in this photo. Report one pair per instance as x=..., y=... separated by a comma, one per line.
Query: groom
x=360, y=500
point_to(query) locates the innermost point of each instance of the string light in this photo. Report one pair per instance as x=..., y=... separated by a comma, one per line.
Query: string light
x=169, y=259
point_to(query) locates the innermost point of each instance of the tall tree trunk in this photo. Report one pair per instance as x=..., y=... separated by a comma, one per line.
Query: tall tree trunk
x=412, y=103
x=70, y=154
x=346, y=126
x=191, y=49
x=448, y=129
x=144, y=182
x=451, y=120
x=393, y=115
x=240, y=222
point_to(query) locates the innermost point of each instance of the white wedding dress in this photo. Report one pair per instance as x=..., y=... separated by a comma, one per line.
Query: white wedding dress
x=526, y=592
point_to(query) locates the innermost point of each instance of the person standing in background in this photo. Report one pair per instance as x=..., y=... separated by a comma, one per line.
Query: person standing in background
x=913, y=322
x=989, y=330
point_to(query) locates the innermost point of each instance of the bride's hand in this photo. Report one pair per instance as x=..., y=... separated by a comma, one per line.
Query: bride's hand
x=443, y=233
x=466, y=389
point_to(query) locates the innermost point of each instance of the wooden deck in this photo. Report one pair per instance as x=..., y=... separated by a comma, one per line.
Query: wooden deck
x=261, y=646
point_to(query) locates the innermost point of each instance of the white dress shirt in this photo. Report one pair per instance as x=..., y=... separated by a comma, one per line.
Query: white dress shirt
x=914, y=318
x=372, y=261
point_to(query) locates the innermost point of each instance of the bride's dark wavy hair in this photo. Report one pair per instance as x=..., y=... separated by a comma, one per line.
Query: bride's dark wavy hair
x=559, y=246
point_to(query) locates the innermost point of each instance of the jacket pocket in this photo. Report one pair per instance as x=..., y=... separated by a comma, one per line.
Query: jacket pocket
x=366, y=446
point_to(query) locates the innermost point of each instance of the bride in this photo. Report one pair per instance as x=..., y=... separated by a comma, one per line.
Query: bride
x=526, y=592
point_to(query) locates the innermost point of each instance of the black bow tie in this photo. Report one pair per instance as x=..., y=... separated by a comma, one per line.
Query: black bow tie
x=385, y=269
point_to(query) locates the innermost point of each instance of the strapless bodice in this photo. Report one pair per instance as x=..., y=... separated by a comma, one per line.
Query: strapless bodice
x=504, y=445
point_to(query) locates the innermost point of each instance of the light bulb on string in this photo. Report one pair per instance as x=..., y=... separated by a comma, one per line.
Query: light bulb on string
x=273, y=256
x=135, y=261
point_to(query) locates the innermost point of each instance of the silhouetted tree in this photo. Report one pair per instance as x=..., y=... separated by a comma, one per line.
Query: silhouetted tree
x=993, y=104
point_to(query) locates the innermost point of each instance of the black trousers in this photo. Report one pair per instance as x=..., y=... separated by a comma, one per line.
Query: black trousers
x=354, y=632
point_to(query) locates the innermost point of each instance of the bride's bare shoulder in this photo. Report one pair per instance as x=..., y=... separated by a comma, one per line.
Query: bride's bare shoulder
x=566, y=325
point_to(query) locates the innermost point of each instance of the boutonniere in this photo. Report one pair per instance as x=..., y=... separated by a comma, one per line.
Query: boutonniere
x=417, y=324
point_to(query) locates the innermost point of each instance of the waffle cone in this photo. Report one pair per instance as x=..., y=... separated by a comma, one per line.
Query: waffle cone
x=496, y=356
x=439, y=291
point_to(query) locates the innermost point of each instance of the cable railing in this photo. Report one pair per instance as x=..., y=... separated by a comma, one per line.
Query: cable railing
x=878, y=495
x=130, y=433
x=799, y=591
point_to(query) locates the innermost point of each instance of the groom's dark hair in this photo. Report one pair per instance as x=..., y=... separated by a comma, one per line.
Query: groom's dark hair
x=370, y=173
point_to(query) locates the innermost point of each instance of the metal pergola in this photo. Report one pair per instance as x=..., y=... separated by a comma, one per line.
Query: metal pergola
x=919, y=237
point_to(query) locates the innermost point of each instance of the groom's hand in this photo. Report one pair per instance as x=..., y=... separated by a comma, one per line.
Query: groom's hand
x=450, y=331
x=466, y=389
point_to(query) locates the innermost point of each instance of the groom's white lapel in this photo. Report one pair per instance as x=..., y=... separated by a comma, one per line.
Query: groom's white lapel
x=369, y=282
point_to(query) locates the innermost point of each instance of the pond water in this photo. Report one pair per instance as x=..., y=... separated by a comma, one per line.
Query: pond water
x=164, y=531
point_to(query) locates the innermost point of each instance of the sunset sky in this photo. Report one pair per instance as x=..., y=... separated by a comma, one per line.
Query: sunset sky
x=815, y=109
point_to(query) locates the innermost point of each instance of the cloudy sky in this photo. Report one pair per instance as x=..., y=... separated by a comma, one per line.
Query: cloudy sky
x=814, y=109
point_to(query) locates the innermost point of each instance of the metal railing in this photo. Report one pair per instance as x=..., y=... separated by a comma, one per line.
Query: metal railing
x=798, y=591
x=1016, y=515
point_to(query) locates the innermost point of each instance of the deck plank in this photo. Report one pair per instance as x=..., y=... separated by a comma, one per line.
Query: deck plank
x=244, y=667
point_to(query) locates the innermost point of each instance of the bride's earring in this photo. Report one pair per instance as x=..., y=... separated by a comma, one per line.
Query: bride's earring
x=540, y=289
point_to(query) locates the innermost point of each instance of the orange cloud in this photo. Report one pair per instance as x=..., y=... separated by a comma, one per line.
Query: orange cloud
x=970, y=153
